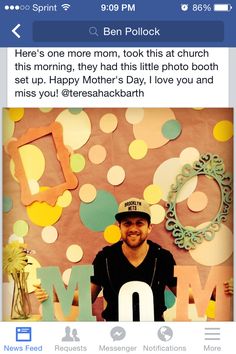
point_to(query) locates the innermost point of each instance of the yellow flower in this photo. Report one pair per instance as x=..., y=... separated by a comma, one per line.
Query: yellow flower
x=14, y=258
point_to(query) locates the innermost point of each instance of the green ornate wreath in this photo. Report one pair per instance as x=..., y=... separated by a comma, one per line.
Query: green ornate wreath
x=210, y=165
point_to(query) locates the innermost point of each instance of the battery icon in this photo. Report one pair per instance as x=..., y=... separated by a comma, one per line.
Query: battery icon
x=222, y=7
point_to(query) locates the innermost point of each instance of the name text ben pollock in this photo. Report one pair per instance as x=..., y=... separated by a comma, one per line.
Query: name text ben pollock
x=129, y=31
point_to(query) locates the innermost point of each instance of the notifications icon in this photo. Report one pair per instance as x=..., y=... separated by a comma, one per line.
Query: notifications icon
x=165, y=333
x=93, y=31
x=118, y=333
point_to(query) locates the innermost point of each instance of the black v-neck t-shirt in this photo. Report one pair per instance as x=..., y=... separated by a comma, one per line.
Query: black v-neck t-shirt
x=112, y=270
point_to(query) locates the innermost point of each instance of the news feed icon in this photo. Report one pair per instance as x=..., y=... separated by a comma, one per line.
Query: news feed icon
x=23, y=334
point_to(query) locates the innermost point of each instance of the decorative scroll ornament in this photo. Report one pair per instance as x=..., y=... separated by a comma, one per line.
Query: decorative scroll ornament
x=209, y=165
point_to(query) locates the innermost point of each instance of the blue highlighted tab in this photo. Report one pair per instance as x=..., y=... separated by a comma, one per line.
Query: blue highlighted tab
x=23, y=334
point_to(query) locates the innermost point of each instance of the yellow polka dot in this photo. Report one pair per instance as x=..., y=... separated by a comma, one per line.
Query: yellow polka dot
x=210, y=311
x=8, y=126
x=33, y=162
x=45, y=110
x=16, y=114
x=112, y=234
x=43, y=214
x=64, y=200
x=223, y=130
x=152, y=194
x=138, y=149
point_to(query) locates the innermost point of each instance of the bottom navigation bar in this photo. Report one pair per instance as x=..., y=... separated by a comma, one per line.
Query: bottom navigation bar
x=126, y=337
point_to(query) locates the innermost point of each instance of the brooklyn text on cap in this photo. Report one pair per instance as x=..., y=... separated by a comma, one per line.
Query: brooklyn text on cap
x=133, y=205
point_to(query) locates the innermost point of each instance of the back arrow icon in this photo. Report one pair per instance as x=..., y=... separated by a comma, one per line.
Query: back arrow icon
x=15, y=29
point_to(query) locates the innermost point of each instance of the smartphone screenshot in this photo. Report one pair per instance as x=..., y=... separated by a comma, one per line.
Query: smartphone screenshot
x=117, y=176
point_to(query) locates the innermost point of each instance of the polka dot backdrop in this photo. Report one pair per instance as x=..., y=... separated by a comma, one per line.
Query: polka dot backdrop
x=97, y=154
x=87, y=193
x=115, y=154
x=33, y=162
x=16, y=114
x=138, y=149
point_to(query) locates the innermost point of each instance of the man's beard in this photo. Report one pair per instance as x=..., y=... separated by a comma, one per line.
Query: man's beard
x=135, y=243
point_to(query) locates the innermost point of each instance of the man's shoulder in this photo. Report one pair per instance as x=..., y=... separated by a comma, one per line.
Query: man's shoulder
x=108, y=250
x=155, y=247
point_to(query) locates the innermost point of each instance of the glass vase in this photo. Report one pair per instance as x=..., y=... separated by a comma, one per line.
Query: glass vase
x=20, y=308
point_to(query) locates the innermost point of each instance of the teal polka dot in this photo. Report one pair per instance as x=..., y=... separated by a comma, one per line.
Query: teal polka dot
x=171, y=129
x=169, y=298
x=75, y=110
x=7, y=204
x=100, y=213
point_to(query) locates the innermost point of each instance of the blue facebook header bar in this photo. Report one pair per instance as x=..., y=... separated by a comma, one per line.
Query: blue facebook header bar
x=118, y=23
x=127, y=31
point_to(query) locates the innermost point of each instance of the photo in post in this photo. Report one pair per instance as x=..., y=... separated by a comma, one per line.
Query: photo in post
x=68, y=177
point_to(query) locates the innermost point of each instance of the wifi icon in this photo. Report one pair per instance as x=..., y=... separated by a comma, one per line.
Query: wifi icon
x=65, y=6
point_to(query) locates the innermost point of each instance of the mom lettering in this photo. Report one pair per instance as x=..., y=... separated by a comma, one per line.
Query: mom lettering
x=187, y=277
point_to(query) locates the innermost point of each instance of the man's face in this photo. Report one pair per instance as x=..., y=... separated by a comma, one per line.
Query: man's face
x=134, y=231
